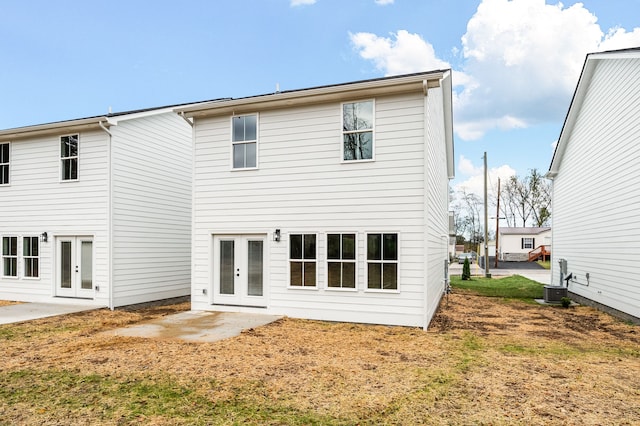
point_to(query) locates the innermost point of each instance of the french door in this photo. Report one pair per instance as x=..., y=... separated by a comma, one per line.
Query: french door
x=74, y=262
x=239, y=270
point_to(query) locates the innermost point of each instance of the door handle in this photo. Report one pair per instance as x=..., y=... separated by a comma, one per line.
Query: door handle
x=238, y=272
x=76, y=269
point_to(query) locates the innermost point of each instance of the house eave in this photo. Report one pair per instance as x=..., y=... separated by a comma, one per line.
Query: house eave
x=53, y=128
x=336, y=93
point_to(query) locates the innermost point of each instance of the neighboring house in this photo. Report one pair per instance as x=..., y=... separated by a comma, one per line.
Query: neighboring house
x=595, y=170
x=523, y=244
x=96, y=210
x=327, y=203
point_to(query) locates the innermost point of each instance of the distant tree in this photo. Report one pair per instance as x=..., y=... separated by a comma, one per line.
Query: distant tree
x=526, y=200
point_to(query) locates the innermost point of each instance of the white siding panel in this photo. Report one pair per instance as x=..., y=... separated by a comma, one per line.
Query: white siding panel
x=151, y=209
x=37, y=201
x=595, y=200
x=302, y=186
x=436, y=203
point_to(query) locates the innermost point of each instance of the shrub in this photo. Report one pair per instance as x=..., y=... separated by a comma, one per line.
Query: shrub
x=566, y=302
x=466, y=270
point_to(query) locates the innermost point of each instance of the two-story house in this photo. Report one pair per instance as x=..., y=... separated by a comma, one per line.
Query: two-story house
x=96, y=210
x=326, y=203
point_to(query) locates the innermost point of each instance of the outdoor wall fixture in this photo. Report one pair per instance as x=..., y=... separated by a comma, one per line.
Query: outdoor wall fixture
x=276, y=235
x=44, y=237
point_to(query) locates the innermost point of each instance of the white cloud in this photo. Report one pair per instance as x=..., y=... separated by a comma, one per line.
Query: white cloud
x=520, y=61
x=525, y=58
x=295, y=3
x=384, y=2
x=401, y=53
x=474, y=183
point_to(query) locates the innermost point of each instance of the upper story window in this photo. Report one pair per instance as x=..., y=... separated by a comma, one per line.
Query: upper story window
x=302, y=260
x=244, y=138
x=30, y=254
x=9, y=256
x=357, y=131
x=4, y=163
x=382, y=261
x=69, y=157
x=341, y=260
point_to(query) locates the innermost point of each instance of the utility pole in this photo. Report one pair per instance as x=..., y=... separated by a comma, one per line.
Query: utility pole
x=497, y=222
x=486, y=222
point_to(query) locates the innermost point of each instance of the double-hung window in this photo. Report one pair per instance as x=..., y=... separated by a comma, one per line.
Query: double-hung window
x=9, y=256
x=382, y=261
x=69, y=157
x=302, y=260
x=30, y=254
x=341, y=260
x=244, y=138
x=527, y=243
x=357, y=131
x=4, y=163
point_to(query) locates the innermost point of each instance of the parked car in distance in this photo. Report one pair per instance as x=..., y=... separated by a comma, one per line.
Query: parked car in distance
x=463, y=256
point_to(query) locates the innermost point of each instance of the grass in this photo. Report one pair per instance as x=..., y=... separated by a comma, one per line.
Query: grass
x=513, y=287
x=545, y=264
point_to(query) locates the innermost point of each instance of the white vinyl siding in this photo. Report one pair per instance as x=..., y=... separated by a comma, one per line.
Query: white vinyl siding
x=5, y=163
x=595, y=223
x=302, y=186
x=36, y=202
x=151, y=211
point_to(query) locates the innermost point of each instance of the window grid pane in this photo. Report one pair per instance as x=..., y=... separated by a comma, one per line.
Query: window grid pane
x=382, y=258
x=357, y=128
x=341, y=251
x=30, y=252
x=4, y=163
x=302, y=260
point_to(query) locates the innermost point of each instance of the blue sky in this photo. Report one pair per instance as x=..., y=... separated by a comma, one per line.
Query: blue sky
x=515, y=63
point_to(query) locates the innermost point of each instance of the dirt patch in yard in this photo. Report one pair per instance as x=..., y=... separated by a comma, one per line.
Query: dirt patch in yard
x=483, y=361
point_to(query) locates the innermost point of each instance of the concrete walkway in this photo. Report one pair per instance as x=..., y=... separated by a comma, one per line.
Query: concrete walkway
x=196, y=326
x=29, y=311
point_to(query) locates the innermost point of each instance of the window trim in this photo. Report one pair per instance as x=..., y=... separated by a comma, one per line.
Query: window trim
x=25, y=258
x=381, y=261
x=62, y=159
x=372, y=130
x=302, y=260
x=4, y=257
x=526, y=240
x=341, y=261
x=7, y=164
x=234, y=143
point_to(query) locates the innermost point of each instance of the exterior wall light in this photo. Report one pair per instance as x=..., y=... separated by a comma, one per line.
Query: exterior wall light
x=276, y=235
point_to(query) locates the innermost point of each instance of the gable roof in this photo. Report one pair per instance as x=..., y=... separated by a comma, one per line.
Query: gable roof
x=531, y=230
x=588, y=68
x=335, y=93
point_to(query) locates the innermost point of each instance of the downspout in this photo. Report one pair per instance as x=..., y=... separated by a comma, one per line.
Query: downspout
x=109, y=217
x=425, y=182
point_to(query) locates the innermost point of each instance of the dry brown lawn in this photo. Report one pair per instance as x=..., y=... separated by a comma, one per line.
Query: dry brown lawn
x=483, y=361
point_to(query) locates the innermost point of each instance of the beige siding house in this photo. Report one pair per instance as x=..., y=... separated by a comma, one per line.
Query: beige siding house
x=326, y=203
x=521, y=244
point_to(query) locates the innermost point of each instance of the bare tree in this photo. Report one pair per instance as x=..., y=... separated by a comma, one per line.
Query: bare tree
x=526, y=200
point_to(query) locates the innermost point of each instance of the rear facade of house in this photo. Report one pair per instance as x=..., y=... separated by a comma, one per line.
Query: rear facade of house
x=327, y=203
x=96, y=210
x=595, y=170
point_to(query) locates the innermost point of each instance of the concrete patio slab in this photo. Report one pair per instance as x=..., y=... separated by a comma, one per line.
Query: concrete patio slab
x=30, y=311
x=196, y=326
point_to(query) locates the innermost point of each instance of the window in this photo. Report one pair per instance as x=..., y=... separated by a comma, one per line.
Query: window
x=10, y=256
x=244, y=138
x=4, y=163
x=527, y=243
x=30, y=253
x=341, y=260
x=69, y=157
x=357, y=131
x=302, y=260
x=382, y=261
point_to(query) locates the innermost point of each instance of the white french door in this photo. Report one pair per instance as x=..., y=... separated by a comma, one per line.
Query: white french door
x=74, y=265
x=239, y=270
